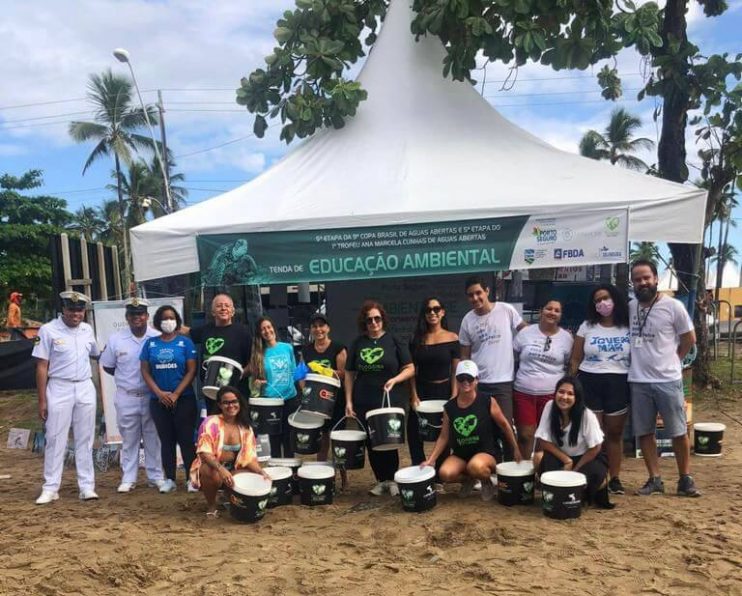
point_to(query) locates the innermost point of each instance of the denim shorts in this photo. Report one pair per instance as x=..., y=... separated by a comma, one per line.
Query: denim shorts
x=667, y=399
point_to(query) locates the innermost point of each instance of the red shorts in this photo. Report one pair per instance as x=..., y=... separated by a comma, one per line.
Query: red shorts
x=527, y=408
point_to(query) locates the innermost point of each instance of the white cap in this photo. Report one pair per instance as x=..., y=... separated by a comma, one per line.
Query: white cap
x=136, y=304
x=467, y=367
x=74, y=299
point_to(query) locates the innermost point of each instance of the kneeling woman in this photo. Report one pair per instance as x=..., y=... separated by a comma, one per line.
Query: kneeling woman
x=569, y=438
x=470, y=430
x=226, y=446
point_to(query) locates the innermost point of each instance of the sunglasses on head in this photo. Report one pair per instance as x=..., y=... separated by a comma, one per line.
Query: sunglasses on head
x=464, y=378
x=433, y=310
x=373, y=320
x=230, y=402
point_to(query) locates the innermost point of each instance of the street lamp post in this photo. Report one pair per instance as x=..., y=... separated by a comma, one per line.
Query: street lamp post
x=123, y=56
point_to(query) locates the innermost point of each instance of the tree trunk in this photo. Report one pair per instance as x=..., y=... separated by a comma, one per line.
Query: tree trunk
x=124, y=231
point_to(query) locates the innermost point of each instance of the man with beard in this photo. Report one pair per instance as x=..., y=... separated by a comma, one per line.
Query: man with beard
x=224, y=337
x=662, y=334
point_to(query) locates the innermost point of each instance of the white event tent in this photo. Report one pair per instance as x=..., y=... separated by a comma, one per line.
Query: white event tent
x=422, y=148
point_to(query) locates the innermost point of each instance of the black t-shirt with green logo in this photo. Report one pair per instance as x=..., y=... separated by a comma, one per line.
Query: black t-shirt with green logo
x=375, y=361
x=328, y=358
x=471, y=429
x=233, y=341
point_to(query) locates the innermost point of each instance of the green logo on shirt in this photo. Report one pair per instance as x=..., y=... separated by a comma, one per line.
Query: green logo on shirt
x=465, y=425
x=372, y=355
x=214, y=344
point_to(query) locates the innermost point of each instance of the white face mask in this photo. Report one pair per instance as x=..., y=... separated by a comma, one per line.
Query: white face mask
x=168, y=325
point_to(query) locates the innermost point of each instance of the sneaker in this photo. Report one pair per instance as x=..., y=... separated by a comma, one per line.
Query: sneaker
x=88, y=495
x=155, y=483
x=615, y=487
x=190, y=488
x=439, y=488
x=47, y=496
x=652, y=486
x=467, y=487
x=167, y=486
x=393, y=489
x=379, y=489
x=687, y=487
x=477, y=485
x=125, y=487
x=488, y=490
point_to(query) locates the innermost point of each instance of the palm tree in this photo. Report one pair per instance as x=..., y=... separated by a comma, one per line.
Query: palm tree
x=178, y=193
x=646, y=251
x=116, y=121
x=110, y=214
x=616, y=143
x=137, y=184
x=87, y=222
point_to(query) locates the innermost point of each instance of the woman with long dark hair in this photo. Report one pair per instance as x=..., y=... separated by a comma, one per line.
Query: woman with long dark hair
x=435, y=353
x=226, y=446
x=377, y=362
x=601, y=358
x=272, y=366
x=569, y=438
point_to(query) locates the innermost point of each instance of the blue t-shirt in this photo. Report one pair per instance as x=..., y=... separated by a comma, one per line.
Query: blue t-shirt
x=167, y=361
x=279, y=363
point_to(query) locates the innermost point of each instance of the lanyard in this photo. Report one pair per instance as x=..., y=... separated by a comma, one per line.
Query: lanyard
x=643, y=321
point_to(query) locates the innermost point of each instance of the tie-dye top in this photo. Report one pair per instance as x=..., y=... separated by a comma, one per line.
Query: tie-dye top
x=211, y=440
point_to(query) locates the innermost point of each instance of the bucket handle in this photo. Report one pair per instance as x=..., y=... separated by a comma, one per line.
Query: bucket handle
x=430, y=425
x=358, y=420
x=386, y=398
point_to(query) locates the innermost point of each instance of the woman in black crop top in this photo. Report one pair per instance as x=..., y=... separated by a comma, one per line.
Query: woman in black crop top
x=435, y=353
x=472, y=425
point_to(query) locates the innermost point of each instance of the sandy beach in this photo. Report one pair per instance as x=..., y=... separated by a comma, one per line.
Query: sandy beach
x=149, y=543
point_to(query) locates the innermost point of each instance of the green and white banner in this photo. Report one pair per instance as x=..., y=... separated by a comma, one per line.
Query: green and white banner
x=413, y=249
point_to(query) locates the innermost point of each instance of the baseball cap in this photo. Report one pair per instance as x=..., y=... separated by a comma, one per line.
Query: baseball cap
x=318, y=316
x=467, y=367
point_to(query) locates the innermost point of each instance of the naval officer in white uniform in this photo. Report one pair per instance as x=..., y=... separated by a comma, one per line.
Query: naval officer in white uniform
x=120, y=358
x=67, y=395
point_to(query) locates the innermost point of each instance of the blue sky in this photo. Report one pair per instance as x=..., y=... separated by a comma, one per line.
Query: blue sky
x=196, y=52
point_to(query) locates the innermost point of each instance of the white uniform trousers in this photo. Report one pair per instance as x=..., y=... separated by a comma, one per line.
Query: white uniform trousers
x=135, y=424
x=69, y=403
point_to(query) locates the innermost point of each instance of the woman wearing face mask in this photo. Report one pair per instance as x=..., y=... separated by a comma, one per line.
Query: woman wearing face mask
x=543, y=353
x=272, y=366
x=569, y=438
x=168, y=365
x=601, y=358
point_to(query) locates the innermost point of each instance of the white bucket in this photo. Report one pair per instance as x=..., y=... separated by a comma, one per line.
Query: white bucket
x=416, y=488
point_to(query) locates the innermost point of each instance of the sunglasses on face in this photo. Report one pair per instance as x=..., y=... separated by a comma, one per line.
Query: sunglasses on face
x=547, y=344
x=433, y=310
x=230, y=402
x=465, y=378
x=370, y=320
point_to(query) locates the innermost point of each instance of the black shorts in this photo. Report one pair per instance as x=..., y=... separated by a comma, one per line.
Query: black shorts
x=605, y=393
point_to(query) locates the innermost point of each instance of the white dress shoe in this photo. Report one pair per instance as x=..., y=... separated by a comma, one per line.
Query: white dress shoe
x=88, y=495
x=125, y=487
x=47, y=496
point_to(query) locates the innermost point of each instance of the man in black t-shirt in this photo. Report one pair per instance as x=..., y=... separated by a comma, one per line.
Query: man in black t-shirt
x=223, y=337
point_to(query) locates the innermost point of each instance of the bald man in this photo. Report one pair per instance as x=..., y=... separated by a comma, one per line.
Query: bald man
x=223, y=337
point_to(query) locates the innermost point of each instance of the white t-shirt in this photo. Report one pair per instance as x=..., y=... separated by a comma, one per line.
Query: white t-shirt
x=540, y=368
x=490, y=337
x=655, y=359
x=589, y=436
x=607, y=349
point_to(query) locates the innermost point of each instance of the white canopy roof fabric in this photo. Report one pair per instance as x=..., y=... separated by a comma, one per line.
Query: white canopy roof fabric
x=730, y=278
x=421, y=149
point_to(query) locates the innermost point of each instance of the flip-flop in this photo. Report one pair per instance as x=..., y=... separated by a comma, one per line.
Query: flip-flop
x=212, y=514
